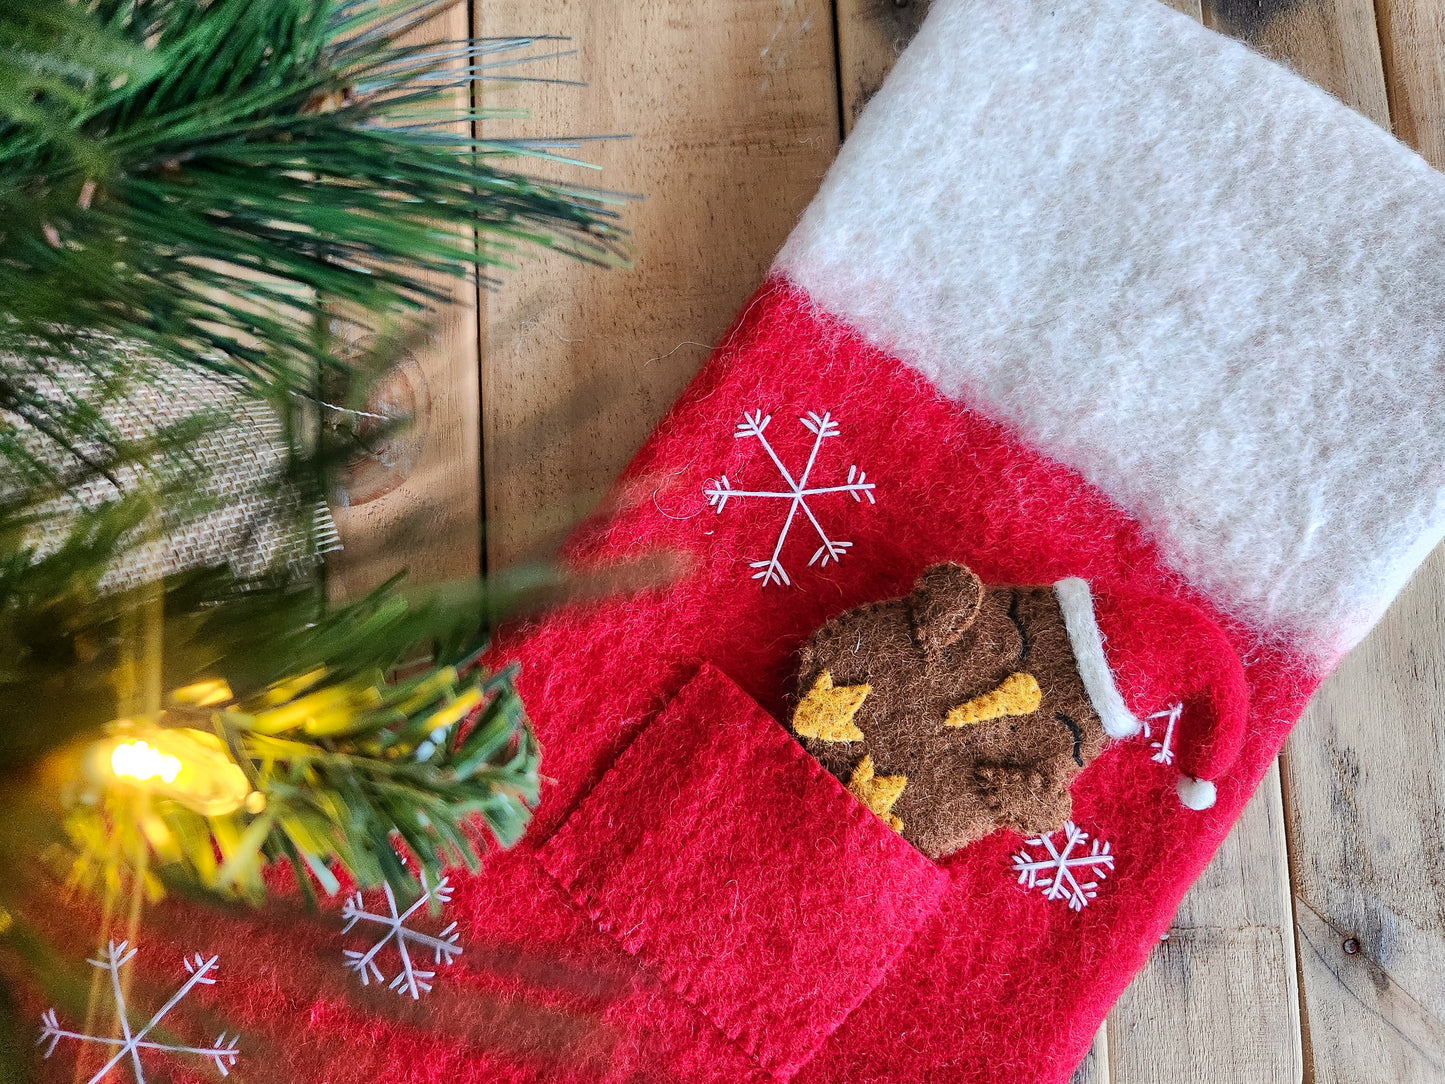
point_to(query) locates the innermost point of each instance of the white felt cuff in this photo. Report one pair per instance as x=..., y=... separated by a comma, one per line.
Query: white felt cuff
x=1174, y=266
x=1077, y=602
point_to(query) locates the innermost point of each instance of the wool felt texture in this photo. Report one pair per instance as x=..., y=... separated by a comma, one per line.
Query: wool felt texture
x=826, y=712
x=1212, y=693
x=963, y=779
x=997, y=982
x=952, y=485
x=1017, y=694
x=877, y=792
x=942, y=606
x=1176, y=267
x=712, y=807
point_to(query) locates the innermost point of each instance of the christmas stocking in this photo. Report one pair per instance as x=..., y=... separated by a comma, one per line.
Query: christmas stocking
x=1099, y=389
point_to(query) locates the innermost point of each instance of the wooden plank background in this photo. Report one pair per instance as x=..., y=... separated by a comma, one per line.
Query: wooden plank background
x=1314, y=947
x=418, y=505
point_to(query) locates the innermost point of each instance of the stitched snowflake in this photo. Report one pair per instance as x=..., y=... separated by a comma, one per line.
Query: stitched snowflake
x=1164, y=747
x=798, y=490
x=1056, y=872
x=131, y=1042
x=445, y=947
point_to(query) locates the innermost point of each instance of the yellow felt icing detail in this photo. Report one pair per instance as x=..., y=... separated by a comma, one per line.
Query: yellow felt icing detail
x=877, y=792
x=826, y=713
x=1019, y=694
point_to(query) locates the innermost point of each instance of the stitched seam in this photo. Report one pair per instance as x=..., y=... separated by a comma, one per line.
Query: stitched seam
x=768, y=1061
x=593, y=907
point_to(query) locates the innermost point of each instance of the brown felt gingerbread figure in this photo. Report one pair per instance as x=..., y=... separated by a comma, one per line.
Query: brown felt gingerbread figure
x=953, y=711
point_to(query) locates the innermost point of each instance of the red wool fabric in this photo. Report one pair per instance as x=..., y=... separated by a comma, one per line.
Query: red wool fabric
x=1165, y=652
x=693, y=902
x=714, y=807
x=1025, y=979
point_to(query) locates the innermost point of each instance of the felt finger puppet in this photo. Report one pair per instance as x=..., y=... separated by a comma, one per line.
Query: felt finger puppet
x=961, y=708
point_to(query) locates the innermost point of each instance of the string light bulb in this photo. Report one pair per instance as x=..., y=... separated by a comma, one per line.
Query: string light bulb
x=192, y=767
x=141, y=761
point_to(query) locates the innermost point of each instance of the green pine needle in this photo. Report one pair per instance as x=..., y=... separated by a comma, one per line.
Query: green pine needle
x=351, y=763
x=158, y=157
x=210, y=186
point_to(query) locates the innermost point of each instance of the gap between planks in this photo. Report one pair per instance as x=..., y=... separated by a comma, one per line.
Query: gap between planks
x=731, y=110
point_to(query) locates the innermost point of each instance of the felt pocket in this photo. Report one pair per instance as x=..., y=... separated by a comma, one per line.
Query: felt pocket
x=726, y=859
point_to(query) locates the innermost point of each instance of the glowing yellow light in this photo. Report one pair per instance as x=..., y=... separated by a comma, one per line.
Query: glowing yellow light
x=141, y=760
x=191, y=766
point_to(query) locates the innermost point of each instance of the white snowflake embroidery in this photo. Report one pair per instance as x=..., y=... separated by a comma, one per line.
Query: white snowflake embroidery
x=857, y=486
x=1164, y=748
x=1055, y=875
x=130, y=1043
x=445, y=947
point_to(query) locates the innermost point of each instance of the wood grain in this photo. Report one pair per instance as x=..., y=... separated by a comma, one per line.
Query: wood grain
x=1094, y=1069
x=732, y=109
x=1412, y=39
x=420, y=505
x=1366, y=778
x=1332, y=43
x=871, y=35
x=1217, y=1002
x=1192, y=8
x=1401, y=1041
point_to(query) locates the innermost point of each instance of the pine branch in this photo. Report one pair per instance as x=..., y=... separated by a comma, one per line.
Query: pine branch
x=261, y=149
x=339, y=763
x=205, y=186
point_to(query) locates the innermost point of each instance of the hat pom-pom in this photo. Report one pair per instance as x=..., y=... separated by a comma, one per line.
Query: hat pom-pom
x=1195, y=793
